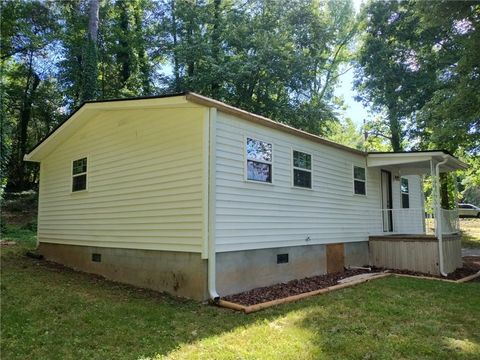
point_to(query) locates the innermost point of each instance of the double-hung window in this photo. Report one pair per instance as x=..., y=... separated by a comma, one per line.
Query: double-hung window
x=79, y=175
x=302, y=169
x=359, y=180
x=405, y=193
x=259, y=160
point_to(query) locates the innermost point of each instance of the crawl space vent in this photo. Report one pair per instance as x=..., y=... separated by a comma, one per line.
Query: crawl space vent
x=282, y=258
x=96, y=257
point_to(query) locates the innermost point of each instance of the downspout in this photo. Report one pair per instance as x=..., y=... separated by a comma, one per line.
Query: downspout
x=438, y=218
x=212, y=283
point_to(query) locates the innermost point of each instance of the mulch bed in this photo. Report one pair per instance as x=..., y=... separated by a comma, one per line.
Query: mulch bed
x=471, y=265
x=294, y=287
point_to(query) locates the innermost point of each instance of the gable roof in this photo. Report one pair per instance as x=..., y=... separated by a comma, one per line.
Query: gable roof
x=192, y=97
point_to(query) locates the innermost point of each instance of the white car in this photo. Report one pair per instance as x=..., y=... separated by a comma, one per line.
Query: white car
x=468, y=210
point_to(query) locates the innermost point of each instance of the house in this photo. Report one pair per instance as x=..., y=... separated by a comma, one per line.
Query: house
x=192, y=196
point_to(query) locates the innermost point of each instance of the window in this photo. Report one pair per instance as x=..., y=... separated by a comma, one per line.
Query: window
x=259, y=161
x=359, y=181
x=405, y=193
x=302, y=169
x=79, y=175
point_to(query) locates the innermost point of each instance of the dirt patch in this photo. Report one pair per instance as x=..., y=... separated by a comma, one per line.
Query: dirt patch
x=5, y=243
x=294, y=287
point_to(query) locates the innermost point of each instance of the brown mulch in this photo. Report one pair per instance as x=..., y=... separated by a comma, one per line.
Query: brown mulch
x=294, y=287
x=471, y=265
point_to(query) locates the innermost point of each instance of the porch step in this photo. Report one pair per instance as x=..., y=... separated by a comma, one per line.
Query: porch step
x=357, y=277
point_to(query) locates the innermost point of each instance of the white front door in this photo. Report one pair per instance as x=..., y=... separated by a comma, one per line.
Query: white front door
x=387, y=216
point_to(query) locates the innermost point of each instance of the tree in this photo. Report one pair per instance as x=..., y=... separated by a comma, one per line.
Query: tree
x=451, y=116
x=28, y=28
x=90, y=58
x=390, y=78
x=418, y=64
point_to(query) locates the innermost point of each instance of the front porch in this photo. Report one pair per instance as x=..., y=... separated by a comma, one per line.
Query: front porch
x=419, y=238
x=418, y=253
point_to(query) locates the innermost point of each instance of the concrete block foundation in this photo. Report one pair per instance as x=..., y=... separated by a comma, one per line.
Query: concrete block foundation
x=185, y=274
x=178, y=273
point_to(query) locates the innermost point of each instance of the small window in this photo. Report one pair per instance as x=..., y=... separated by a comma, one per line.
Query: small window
x=405, y=193
x=259, y=160
x=302, y=169
x=79, y=175
x=359, y=181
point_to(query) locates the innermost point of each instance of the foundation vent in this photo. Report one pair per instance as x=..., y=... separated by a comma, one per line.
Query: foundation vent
x=282, y=258
x=96, y=257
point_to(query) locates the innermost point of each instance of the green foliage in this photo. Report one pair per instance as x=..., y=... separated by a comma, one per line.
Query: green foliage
x=279, y=59
x=347, y=133
x=418, y=64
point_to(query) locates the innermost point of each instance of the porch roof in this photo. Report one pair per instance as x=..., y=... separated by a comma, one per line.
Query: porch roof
x=415, y=162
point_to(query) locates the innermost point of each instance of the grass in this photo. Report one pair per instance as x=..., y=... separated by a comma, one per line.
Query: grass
x=48, y=312
x=470, y=232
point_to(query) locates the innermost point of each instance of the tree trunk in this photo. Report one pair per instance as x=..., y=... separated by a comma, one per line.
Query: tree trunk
x=123, y=54
x=90, y=63
x=176, y=68
x=93, y=20
x=142, y=54
x=17, y=168
x=395, y=130
x=445, y=199
x=215, y=86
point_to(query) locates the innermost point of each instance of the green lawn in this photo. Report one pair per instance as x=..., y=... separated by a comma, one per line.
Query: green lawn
x=52, y=313
x=470, y=232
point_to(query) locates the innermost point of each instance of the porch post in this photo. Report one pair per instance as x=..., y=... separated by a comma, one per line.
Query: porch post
x=435, y=197
x=438, y=217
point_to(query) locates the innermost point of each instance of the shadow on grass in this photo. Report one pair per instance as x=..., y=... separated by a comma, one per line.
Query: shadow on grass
x=49, y=311
x=398, y=318
x=52, y=312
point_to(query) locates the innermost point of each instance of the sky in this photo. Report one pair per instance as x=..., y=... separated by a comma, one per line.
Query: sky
x=354, y=110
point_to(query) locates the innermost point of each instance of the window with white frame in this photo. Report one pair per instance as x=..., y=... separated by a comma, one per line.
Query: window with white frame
x=405, y=193
x=302, y=169
x=359, y=180
x=259, y=160
x=79, y=174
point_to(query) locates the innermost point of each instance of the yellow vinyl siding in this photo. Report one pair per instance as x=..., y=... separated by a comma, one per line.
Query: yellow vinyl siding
x=146, y=182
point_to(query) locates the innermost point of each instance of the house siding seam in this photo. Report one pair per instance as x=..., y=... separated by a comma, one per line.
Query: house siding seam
x=255, y=216
x=146, y=183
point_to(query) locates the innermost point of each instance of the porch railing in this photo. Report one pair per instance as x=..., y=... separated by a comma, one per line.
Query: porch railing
x=450, y=222
x=417, y=221
x=407, y=221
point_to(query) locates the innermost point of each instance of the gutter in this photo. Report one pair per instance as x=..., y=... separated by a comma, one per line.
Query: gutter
x=438, y=222
x=212, y=272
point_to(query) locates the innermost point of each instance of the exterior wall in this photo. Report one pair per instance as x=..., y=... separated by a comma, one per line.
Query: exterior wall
x=415, y=253
x=178, y=273
x=257, y=215
x=146, y=182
